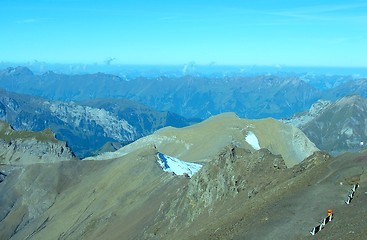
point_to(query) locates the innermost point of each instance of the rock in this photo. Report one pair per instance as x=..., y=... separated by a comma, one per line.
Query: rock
x=252, y=192
x=24, y=147
x=2, y=176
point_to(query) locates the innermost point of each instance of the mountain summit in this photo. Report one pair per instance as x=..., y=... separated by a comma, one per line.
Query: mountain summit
x=204, y=140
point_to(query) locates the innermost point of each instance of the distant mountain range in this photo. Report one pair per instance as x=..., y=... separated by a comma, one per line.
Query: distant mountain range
x=335, y=126
x=96, y=125
x=189, y=96
x=86, y=126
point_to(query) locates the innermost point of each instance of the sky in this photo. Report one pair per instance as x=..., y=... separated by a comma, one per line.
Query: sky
x=246, y=32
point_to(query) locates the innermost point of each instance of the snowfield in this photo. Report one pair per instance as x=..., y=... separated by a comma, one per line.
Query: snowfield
x=176, y=166
x=252, y=140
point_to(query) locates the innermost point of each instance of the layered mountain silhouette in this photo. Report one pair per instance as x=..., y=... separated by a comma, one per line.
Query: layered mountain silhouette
x=251, y=97
x=157, y=175
x=86, y=126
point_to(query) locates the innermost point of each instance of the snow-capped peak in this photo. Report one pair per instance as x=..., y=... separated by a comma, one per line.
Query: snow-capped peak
x=176, y=166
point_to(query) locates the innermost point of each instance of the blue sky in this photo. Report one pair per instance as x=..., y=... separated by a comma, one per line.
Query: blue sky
x=247, y=32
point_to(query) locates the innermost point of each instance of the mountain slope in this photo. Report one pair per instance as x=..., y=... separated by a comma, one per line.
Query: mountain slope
x=252, y=97
x=86, y=127
x=204, y=140
x=287, y=207
x=192, y=97
x=83, y=199
x=145, y=119
x=335, y=126
x=54, y=86
x=352, y=87
x=239, y=193
x=23, y=147
x=122, y=196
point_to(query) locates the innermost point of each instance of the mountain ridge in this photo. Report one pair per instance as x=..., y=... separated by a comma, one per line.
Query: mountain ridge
x=253, y=96
x=24, y=147
x=85, y=126
x=239, y=190
x=337, y=126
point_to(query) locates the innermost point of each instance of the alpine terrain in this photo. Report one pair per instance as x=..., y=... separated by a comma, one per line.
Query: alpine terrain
x=335, y=127
x=87, y=126
x=224, y=178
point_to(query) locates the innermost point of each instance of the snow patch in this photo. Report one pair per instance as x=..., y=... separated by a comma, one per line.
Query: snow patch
x=176, y=166
x=252, y=140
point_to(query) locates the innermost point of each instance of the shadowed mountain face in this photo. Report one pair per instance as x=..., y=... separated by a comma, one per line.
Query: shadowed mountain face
x=358, y=87
x=335, y=126
x=189, y=96
x=88, y=126
x=239, y=193
x=251, y=97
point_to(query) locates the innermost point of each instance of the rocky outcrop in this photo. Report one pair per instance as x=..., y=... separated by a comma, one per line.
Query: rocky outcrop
x=234, y=173
x=235, y=170
x=31, y=151
x=22, y=147
x=89, y=118
x=335, y=126
x=2, y=176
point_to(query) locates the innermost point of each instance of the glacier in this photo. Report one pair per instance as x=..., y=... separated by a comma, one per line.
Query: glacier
x=177, y=166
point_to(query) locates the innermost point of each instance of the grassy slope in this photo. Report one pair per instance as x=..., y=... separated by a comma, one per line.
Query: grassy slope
x=7, y=134
x=122, y=198
x=131, y=198
x=203, y=141
x=91, y=197
x=294, y=207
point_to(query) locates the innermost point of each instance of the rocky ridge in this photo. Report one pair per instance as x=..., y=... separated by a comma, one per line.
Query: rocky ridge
x=22, y=147
x=238, y=191
x=337, y=126
x=199, y=142
x=85, y=126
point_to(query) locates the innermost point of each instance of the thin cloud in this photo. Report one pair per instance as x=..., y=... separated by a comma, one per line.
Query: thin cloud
x=321, y=12
x=332, y=8
x=27, y=21
x=32, y=20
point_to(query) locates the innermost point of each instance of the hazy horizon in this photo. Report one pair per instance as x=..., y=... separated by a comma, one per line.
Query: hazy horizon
x=152, y=70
